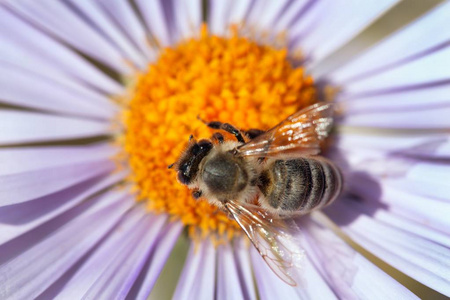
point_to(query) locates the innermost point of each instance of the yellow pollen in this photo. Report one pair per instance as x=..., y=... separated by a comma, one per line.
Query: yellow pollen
x=233, y=80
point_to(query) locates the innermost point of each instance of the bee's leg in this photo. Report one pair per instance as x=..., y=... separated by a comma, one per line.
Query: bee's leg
x=227, y=127
x=217, y=136
x=253, y=133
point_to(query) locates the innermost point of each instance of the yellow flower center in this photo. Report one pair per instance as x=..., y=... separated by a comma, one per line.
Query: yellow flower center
x=233, y=80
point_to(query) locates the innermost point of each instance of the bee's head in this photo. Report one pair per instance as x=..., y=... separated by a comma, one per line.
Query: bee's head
x=187, y=164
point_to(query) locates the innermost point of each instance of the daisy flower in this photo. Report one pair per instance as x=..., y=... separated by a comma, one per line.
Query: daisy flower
x=99, y=97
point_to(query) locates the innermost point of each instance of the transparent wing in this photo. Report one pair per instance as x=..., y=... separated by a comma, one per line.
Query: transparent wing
x=299, y=134
x=276, y=240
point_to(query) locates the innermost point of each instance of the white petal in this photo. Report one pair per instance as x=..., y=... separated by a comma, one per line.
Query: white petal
x=95, y=13
x=19, y=160
x=351, y=17
x=272, y=287
x=395, y=100
x=242, y=255
x=26, y=88
x=26, y=47
x=228, y=283
x=117, y=279
x=154, y=17
x=289, y=16
x=32, y=271
x=21, y=218
x=60, y=20
x=239, y=10
x=218, y=16
x=24, y=127
x=350, y=274
x=123, y=14
x=21, y=187
x=423, y=145
x=427, y=72
x=417, y=37
x=159, y=256
x=197, y=280
x=188, y=17
x=419, y=117
x=423, y=260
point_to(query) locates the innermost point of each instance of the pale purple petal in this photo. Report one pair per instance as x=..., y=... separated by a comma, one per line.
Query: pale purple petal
x=125, y=234
x=351, y=17
x=242, y=259
x=423, y=145
x=20, y=218
x=218, y=16
x=396, y=100
x=418, y=257
x=166, y=241
x=290, y=15
x=426, y=72
x=26, y=186
x=272, y=287
x=240, y=10
x=264, y=13
x=426, y=117
x=349, y=274
x=124, y=15
x=30, y=51
x=96, y=14
x=58, y=19
x=155, y=19
x=427, y=211
x=32, y=271
x=119, y=276
x=197, y=280
x=27, y=88
x=228, y=283
x=188, y=18
x=26, y=127
x=413, y=41
x=25, y=159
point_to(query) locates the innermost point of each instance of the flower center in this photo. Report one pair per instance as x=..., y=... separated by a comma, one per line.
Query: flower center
x=233, y=80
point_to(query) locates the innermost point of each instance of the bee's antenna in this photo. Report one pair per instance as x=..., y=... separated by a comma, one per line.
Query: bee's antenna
x=170, y=166
x=191, y=137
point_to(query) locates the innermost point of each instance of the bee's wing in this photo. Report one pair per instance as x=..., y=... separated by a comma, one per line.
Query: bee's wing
x=300, y=133
x=275, y=239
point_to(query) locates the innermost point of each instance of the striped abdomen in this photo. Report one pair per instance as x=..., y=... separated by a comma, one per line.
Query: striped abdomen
x=300, y=185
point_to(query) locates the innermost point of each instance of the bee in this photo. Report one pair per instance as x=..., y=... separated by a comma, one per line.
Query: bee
x=279, y=169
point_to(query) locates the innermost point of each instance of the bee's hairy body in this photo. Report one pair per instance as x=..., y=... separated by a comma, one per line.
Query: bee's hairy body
x=283, y=187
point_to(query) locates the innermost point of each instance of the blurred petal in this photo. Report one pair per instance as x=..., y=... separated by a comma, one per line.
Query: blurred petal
x=351, y=17
x=24, y=88
x=349, y=274
x=25, y=127
x=228, y=284
x=155, y=19
x=167, y=239
x=95, y=14
x=32, y=271
x=123, y=14
x=242, y=258
x=188, y=17
x=58, y=19
x=119, y=276
x=426, y=117
x=420, y=258
x=25, y=186
x=272, y=287
x=413, y=42
x=27, y=48
x=197, y=281
x=20, y=218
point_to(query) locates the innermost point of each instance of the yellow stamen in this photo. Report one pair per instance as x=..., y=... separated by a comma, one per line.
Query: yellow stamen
x=232, y=80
